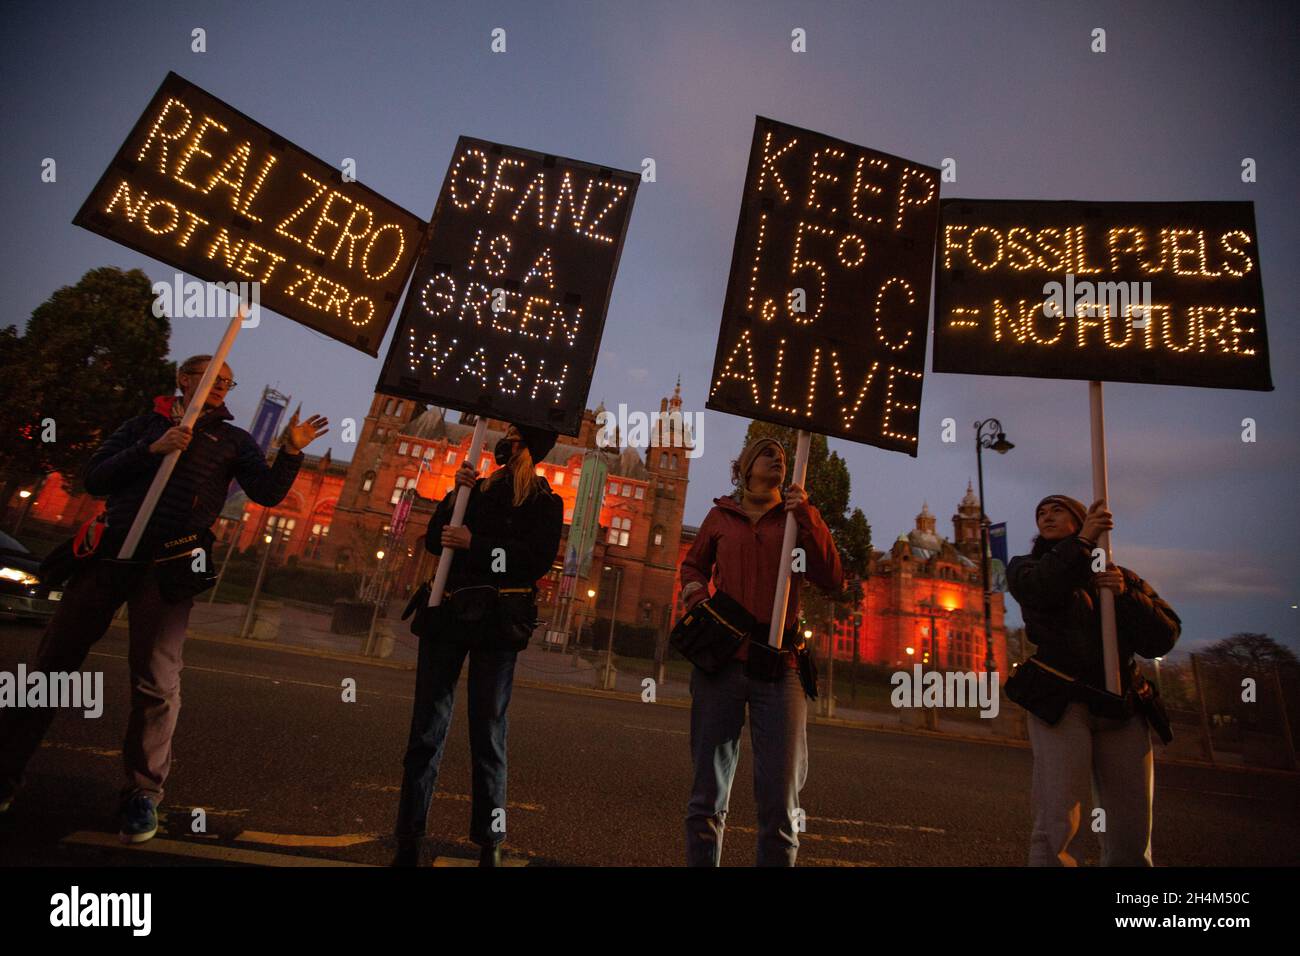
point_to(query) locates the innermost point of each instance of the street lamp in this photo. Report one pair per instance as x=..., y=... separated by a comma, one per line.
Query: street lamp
x=26, y=496
x=930, y=607
x=988, y=434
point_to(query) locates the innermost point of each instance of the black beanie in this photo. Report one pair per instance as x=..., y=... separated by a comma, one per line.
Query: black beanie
x=539, y=441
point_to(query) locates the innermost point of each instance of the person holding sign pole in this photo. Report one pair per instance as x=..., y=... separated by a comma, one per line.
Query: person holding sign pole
x=509, y=539
x=170, y=565
x=1081, y=734
x=739, y=549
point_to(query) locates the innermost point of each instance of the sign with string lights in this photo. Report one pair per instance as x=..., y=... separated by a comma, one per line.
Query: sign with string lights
x=506, y=310
x=828, y=300
x=1166, y=293
x=204, y=188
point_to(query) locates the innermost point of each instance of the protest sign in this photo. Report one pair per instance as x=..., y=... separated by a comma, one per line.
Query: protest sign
x=1156, y=292
x=827, y=306
x=202, y=187
x=506, y=310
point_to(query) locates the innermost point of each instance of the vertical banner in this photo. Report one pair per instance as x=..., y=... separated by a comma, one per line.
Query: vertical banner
x=586, y=515
x=997, y=556
x=266, y=420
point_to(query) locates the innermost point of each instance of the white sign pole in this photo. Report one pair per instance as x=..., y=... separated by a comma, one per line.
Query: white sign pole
x=458, y=514
x=1109, y=644
x=787, y=544
x=192, y=412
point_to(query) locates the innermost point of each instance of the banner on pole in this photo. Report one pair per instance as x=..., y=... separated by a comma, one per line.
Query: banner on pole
x=508, y=303
x=1164, y=293
x=828, y=300
x=586, y=515
x=204, y=188
x=997, y=556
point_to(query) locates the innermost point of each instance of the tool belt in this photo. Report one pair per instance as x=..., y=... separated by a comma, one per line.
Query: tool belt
x=174, y=563
x=1045, y=692
x=712, y=632
x=507, y=616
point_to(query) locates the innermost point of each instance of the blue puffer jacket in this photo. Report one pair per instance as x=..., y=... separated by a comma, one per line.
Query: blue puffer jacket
x=123, y=467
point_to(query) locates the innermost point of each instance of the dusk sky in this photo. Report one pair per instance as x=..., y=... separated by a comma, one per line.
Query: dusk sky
x=1011, y=91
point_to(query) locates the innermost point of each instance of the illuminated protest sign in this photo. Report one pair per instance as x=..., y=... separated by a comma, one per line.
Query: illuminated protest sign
x=200, y=186
x=827, y=306
x=506, y=309
x=1159, y=292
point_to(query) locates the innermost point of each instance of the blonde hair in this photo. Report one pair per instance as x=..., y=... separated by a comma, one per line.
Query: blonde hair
x=520, y=469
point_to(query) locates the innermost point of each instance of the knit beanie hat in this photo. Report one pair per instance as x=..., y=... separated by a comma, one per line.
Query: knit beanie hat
x=1075, y=508
x=742, y=466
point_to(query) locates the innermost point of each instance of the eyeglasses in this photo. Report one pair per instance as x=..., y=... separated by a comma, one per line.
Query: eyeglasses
x=229, y=383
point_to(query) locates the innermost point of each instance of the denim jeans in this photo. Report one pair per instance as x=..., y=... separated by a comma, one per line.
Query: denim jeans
x=1114, y=757
x=157, y=635
x=491, y=678
x=778, y=714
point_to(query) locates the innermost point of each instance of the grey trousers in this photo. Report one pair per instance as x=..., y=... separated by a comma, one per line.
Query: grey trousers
x=1113, y=758
x=778, y=714
x=157, y=635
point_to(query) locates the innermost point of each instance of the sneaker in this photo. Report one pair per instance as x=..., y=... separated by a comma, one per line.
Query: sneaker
x=139, y=820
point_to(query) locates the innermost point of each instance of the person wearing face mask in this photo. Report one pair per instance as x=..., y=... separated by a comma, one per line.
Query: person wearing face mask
x=1082, y=735
x=508, y=541
x=738, y=548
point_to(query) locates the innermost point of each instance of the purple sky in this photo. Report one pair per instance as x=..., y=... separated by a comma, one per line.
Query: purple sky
x=1011, y=91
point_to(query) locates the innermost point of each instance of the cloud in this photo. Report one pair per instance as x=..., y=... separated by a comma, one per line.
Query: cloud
x=1195, y=574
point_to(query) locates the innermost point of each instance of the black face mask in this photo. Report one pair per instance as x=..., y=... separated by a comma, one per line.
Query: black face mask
x=502, y=451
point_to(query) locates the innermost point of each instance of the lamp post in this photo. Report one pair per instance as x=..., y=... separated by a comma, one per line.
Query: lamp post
x=27, y=499
x=988, y=434
x=930, y=607
x=613, y=618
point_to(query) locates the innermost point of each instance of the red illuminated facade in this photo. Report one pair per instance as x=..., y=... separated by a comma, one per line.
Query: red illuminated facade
x=923, y=600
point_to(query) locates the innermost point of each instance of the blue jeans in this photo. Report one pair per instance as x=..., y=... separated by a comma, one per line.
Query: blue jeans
x=778, y=714
x=491, y=677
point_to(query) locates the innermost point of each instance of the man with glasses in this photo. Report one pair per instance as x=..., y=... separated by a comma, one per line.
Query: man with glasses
x=122, y=468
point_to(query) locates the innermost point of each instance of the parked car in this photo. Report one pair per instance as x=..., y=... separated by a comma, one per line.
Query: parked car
x=22, y=598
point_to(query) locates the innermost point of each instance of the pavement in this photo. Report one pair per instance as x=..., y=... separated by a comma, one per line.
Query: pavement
x=286, y=771
x=293, y=626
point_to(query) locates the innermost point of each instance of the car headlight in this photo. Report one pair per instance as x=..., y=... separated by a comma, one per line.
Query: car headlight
x=25, y=578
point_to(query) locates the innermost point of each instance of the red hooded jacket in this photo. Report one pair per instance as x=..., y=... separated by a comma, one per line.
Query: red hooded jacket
x=742, y=557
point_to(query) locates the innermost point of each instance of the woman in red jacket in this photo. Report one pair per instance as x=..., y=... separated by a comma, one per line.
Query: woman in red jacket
x=739, y=548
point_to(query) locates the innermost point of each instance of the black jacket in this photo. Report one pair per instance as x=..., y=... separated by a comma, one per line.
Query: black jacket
x=1063, y=614
x=123, y=467
x=529, y=534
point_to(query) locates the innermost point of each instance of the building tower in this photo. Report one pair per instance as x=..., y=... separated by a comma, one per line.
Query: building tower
x=966, y=525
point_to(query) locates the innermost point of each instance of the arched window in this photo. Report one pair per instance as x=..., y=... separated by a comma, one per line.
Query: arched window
x=388, y=407
x=368, y=481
